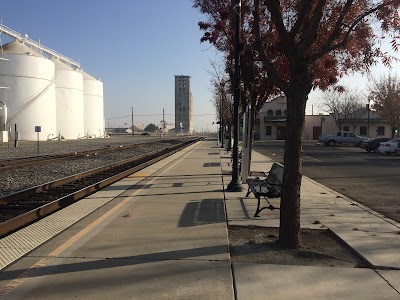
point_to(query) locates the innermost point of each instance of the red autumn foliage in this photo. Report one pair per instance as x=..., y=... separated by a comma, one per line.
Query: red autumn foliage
x=303, y=44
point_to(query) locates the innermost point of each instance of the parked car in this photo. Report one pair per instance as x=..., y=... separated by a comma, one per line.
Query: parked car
x=389, y=147
x=342, y=137
x=145, y=134
x=373, y=144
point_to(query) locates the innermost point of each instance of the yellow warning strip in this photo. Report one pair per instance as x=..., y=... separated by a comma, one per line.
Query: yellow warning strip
x=12, y=285
x=139, y=175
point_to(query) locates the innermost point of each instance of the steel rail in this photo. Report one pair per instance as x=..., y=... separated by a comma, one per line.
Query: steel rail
x=36, y=214
x=17, y=163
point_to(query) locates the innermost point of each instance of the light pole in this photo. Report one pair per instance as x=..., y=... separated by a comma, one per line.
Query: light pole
x=222, y=123
x=235, y=185
x=368, y=110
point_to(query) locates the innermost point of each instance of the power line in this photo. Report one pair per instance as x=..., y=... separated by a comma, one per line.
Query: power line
x=155, y=115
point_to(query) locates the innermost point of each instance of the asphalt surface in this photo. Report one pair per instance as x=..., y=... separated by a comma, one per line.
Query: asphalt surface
x=370, y=178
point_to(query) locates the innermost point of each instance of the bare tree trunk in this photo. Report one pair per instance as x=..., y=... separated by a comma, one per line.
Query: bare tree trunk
x=289, y=230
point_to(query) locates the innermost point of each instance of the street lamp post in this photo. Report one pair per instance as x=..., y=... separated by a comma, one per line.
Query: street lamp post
x=235, y=185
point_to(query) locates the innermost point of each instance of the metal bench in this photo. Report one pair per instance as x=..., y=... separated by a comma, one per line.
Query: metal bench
x=269, y=187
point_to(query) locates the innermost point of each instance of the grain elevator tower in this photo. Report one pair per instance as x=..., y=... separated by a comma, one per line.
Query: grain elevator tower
x=183, y=105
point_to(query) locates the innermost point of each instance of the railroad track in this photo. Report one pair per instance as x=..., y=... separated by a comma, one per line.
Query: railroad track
x=23, y=162
x=25, y=207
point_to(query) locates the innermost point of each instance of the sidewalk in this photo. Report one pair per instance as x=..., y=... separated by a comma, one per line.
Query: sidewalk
x=374, y=237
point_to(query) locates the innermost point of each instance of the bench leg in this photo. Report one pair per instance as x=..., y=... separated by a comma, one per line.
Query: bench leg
x=258, y=206
x=271, y=207
x=248, y=192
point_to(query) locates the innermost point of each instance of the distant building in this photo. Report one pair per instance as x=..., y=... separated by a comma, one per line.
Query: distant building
x=139, y=126
x=273, y=119
x=273, y=115
x=183, y=105
x=119, y=130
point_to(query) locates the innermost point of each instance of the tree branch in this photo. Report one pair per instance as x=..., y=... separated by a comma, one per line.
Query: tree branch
x=336, y=31
x=272, y=72
x=309, y=36
x=273, y=7
x=305, y=11
x=210, y=8
x=331, y=47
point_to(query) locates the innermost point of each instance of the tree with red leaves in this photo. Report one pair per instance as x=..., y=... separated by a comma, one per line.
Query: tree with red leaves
x=311, y=43
x=305, y=44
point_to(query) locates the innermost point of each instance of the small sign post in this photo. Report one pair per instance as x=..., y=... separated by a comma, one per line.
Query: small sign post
x=38, y=129
x=15, y=136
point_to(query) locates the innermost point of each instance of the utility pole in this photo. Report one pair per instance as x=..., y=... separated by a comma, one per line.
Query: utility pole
x=133, y=127
x=163, y=119
x=235, y=185
x=163, y=123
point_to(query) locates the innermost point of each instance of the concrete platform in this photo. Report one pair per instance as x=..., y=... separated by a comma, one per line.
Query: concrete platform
x=162, y=234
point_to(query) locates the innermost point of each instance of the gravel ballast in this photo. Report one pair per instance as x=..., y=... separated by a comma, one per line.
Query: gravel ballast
x=16, y=180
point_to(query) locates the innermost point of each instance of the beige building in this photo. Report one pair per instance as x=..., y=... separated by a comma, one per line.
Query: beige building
x=183, y=105
x=273, y=114
x=273, y=119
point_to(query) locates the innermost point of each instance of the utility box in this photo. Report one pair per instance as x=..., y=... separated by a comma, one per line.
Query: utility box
x=3, y=136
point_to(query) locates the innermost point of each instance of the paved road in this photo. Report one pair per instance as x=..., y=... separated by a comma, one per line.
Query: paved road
x=370, y=178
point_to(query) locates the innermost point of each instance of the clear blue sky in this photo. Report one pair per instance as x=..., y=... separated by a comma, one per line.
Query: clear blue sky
x=134, y=47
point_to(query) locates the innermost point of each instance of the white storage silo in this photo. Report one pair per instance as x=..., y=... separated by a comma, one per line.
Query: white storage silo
x=93, y=106
x=31, y=95
x=69, y=101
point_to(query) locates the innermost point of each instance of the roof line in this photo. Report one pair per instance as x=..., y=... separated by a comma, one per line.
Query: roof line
x=16, y=35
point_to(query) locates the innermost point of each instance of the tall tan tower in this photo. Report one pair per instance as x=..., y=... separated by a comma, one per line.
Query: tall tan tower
x=183, y=105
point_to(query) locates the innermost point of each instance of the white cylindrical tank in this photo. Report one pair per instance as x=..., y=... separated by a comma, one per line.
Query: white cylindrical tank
x=69, y=101
x=93, y=106
x=31, y=97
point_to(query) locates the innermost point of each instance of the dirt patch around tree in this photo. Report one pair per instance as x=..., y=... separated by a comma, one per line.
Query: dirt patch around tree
x=319, y=247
